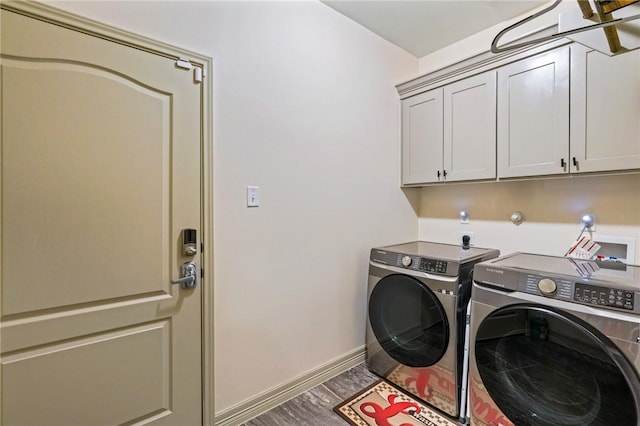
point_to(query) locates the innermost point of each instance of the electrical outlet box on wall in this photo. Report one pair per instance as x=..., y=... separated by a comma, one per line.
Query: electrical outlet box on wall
x=472, y=241
x=622, y=248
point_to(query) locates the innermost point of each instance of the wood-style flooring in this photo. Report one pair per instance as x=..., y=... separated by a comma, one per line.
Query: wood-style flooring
x=315, y=407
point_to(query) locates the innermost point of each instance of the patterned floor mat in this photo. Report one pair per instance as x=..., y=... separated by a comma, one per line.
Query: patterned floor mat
x=384, y=405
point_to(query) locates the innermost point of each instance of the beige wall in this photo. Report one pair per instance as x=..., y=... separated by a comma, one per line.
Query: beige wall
x=552, y=208
x=305, y=107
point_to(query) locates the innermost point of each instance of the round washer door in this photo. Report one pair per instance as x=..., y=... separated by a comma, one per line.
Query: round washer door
x=408, y=321
x=545, y=367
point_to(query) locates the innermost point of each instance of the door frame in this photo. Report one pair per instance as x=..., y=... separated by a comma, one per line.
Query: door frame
x=75, y=22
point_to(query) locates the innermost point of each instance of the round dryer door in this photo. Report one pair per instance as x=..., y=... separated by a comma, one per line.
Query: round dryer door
x=545, y=367
x=408, y=321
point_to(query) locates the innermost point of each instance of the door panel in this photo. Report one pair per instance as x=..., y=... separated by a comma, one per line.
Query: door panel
x=143, y=397
x=101, y=148
x=75, y=221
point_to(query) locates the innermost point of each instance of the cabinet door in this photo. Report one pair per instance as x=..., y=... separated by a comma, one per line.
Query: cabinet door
x=470, y=128
x=605, y=110
x=422, y=138
x=533, y=115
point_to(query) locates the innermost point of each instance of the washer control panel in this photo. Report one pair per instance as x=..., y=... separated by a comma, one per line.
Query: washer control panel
x=547, y=286
x=603, y=296
x=587, y=294
x=550, y=287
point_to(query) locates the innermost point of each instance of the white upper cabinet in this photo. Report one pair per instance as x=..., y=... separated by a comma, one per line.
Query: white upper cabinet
x=470, y=128
x=564, y=110
x=422, y=138
x=605, y=110
x=449, y=134
x=533, y=115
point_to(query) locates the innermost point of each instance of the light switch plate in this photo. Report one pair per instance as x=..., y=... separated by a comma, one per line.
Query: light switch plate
x=253, y=196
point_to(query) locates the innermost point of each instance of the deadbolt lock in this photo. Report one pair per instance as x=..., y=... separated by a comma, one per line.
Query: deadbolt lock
x=189, y=242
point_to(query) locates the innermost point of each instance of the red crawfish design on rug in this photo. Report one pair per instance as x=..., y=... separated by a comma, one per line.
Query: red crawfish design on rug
x=385, y=405
x=381, y=415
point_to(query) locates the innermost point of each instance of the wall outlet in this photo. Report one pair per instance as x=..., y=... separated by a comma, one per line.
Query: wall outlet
x=472, y=241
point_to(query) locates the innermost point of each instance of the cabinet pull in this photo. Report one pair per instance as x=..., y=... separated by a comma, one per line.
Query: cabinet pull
x=444, y=174
x=562, y=163
x=575, y=162
x=438, y=174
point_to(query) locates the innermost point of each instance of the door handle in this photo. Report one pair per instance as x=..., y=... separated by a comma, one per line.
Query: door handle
x=188, y=277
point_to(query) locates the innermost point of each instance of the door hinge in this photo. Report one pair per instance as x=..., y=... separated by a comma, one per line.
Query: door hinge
x=201, y=273
x=201, y=247
x=468, y=319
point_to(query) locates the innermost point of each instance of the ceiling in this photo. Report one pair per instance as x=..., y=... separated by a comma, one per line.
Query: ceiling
x=423, y=26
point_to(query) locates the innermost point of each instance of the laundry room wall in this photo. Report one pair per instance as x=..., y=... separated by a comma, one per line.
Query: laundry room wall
x=551, y=207
x=304, y=107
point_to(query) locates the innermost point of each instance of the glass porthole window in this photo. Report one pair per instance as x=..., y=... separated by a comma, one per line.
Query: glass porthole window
x=545, y=367
x=408, y=321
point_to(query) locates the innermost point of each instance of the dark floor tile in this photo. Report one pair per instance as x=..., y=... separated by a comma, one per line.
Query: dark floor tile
x=351, y=381
x=311, y=408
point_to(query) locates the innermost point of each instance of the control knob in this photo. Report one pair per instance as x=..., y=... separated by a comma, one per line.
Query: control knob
x=406, y=261
x=547, y=286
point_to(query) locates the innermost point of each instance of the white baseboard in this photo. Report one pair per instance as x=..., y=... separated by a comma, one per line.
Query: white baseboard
x=253, y=407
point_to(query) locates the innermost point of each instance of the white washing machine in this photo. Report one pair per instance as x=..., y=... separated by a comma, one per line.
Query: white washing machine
x=554, y=342
x=418, y=298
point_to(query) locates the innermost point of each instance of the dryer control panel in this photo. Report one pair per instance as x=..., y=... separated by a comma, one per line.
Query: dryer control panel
x=422, y=264
x=431, y=265
x=416, y=263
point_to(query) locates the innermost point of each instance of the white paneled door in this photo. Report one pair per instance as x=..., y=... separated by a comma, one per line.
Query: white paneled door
x=101, y=172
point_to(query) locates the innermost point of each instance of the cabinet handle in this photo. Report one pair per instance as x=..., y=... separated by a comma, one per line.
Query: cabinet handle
x=575, y=162
x=444, y=174
x=438, y=174
x=562, y=163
